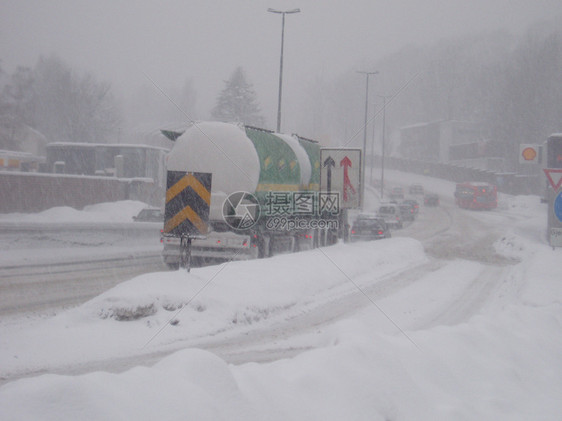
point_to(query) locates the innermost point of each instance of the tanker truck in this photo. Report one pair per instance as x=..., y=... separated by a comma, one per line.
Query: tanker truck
x=264, y=194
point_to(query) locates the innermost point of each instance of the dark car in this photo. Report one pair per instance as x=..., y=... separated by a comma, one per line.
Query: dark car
x=431, y=200
x=369, y=228
x=414, y=204
x=149, y=215
x=407, y=211
x=416, y=189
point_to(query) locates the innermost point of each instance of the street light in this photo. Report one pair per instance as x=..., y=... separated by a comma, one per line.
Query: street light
x=383, y=140
x=282, y=13
x=367, y=74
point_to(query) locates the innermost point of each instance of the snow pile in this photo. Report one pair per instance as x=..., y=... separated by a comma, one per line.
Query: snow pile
x=233, y=294
x=516, y=242
x=192, y=385
x=489, y=369
x=65, y=234
x=166, y=308
x=111, y=212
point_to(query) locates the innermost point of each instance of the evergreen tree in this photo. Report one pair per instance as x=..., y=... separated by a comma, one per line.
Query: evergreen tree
x=16, y=107
x=237, y=102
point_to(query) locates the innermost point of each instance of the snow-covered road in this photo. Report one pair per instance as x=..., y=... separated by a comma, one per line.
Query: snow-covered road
x=63, y=257
x=455, y=317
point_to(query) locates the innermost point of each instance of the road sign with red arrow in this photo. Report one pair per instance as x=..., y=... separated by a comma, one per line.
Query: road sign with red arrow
x=341, y=173
x=554, y=176
x=347, y=185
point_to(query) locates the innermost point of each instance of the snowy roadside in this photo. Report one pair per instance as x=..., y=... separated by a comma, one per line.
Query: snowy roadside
x=63, y=235
x=169, y=309
x=501, y=363
x=110, y=212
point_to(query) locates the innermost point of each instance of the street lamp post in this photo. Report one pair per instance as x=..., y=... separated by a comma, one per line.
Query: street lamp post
x=282, y=13
x=383, y=140
x=373, y=146
x=363, y=178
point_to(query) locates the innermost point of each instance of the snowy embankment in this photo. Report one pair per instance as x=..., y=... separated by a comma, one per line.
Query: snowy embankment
x=109, y=212
x=156, y=310
x=396, y=357
x=63, y=234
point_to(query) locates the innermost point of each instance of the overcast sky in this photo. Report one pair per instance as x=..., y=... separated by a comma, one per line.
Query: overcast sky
x=205, y=40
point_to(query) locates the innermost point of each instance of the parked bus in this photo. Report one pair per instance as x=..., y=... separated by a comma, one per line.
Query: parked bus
x=474, y=195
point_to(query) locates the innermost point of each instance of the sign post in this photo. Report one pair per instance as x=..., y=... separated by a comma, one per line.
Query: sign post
x=341, y=174
x=554, y=229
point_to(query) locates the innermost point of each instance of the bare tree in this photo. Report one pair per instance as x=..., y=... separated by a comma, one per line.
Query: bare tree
x=73, y=108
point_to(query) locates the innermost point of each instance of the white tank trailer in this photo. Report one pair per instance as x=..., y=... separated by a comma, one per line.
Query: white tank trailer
x=256, y=161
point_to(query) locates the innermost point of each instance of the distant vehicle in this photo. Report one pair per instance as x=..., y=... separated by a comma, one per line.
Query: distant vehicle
x=397, y=193
x=390, y=212
x=414, y=203
x=369, y=227
x=150, y=215
x=431, y=199
x=407, y=211
x=476, y=195
x=416, y=189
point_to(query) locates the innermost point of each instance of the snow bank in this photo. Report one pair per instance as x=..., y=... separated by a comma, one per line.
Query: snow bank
x=488, y=369
x=192, y=385
x=168, y=308
x=121, y=211
x=100, y=231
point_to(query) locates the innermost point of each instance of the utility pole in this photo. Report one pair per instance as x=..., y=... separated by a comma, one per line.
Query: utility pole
x=282, y=13
x=363, y=178
x=383, y=140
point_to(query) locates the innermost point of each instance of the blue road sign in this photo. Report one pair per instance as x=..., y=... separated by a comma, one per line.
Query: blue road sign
x=558, y=206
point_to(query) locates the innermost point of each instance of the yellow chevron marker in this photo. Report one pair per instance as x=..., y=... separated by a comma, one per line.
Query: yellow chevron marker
x=188, y=181
x=186, y=213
